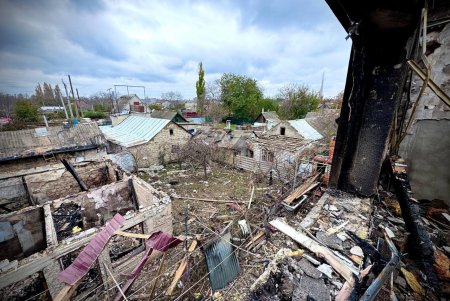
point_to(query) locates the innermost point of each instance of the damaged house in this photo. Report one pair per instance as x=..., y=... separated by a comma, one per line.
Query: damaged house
x=276, y=155
x=150, y=140
x=31, y=172
x=299, y=128
x=40, y=241
x=127, y=104
x=57, y=192
x=267, y=119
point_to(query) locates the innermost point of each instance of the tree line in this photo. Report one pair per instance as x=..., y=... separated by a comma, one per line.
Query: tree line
x=242, y=98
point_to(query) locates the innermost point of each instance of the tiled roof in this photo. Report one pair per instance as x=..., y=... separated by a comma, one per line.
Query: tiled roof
x=135, y=130
x=55, y=139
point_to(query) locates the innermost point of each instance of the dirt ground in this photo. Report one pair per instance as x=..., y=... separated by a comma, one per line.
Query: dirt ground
x=293, y=278
x=204, y=221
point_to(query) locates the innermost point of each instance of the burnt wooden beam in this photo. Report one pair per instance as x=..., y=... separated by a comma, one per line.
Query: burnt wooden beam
x=74, y=173
x=419, y=241
x=375, y=82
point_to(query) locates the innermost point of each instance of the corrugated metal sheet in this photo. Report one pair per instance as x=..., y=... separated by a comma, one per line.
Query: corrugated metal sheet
x=305, y=129
x=135, y=130
x=90, y=253
x=223, y=265
x=26, y=143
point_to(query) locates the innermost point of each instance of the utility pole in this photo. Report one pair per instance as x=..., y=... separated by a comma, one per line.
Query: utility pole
x=68, y=99
x=78, y=97
x=112, y=101
x=321, y=86
x=73, y=97
x=62, y=102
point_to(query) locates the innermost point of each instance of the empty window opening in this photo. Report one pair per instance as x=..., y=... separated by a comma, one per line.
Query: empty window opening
x=171, y=132
x=283, y=131
x=267, y=156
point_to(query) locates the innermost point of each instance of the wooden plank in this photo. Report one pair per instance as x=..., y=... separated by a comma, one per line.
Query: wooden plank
x=314, y=247
x=50, y=230
x=313, y=214
x=302, y=189
x=255, y=239
x=132, y=235
x=74, y=173
x=66, y=292
x=180, y=269
x=208, y=200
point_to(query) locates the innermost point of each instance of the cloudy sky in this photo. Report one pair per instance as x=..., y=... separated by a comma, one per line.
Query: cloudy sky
x=158, y=44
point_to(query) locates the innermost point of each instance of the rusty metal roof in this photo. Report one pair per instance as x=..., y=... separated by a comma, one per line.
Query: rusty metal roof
x=223, y=265
x=90, y=253
x=55, y=139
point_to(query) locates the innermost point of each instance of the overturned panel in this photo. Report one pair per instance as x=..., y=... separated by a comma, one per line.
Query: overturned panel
x=223, y=265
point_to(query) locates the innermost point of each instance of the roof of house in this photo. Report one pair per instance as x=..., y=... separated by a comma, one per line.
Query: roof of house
x=124, y=100
x=305, y=129
x=55, y=139
x=135, y=130
x=272, y=116
x=324, y=121
x=166, y=114
x=280, y=143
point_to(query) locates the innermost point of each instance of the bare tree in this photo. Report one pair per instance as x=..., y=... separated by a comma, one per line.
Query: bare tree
x=197, y=154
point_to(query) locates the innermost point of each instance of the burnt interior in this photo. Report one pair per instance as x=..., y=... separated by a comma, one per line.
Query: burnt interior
x=32, y=288
x=121, y=248
x=68, y=220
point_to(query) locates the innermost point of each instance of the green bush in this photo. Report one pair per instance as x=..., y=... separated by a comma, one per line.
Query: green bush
x=94, y=115
x=26, y=111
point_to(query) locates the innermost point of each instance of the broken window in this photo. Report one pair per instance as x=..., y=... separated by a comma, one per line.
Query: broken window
x=171, y=132
x=267, y=155
x=283, y=131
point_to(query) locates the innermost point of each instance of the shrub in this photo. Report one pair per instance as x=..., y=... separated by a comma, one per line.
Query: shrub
x=94, y=115
x=25, y=110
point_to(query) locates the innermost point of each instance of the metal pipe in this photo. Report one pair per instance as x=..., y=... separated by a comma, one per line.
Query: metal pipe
x=384, y=275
